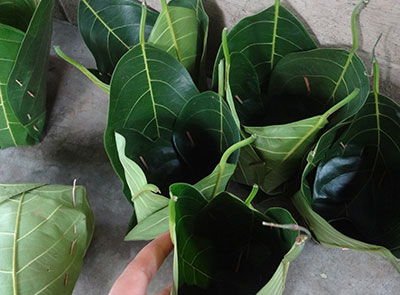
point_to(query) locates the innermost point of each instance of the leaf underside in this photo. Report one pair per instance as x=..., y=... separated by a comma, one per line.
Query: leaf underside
x=43, y=238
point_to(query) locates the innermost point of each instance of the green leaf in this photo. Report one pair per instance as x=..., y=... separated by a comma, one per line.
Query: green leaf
x=292, y=104
x=313, y=81
x=148, y=90
x=264, y=38
x=111, y=28
x=222, y=247
x=203, y=130
x=350, y=188
x=17, y=13
x=24, y=60
x=151, y=227
x=37, y=225
x=176, y=32
x=199, y=72
x=144, y=196
x=283, y=147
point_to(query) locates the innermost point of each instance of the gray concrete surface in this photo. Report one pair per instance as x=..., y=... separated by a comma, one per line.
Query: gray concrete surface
x=328, y=20
x=73, y=148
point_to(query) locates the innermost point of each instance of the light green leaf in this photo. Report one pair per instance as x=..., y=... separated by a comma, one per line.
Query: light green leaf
x=144, y=196
x=282, y=147
x=176, y=32
x=151, y=227
x=44, y=234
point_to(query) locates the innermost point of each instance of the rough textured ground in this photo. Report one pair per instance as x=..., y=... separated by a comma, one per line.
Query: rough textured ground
x=73, y=148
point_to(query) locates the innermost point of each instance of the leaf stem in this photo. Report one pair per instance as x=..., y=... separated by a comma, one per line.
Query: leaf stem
x=15, y=249
x=103, y=86
x=221, y=79
x=225, y=47
x=354, y=24
x=341, y=103
x=375, y=68
x=226, y=156
x=295, y=227
x=143, y=22
x=252, y=195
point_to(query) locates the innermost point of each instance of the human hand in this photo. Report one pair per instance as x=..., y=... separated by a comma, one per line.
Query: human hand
x=135, y=279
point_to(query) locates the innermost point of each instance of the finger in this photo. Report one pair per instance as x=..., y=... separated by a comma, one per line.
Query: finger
x=165, y=291
x=138, y=274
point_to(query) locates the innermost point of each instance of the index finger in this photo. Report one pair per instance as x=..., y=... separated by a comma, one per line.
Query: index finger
x=136, y=277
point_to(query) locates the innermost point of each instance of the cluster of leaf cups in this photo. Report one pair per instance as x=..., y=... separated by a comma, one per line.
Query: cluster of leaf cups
x=295, y=119
x=163, y=133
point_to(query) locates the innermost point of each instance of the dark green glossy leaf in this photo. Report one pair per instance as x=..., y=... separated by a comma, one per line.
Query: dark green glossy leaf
x=148, y=90
x=110, y=28
x=204, y=129
x=264, y=38
x=45, y=231
x=24, y=60
x=350, y=187
x=313, y=81
x=221, y=246
x=17, y=13
x=356, y=184
x=293, y=104
x=204, y=121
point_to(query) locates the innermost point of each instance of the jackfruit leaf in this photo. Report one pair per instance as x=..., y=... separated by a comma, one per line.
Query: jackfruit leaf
x=176, y=32
x=148, y=90
x=17, y=13
x=203, y=22
x=302, y=88
x=45, y=231
x=350, y=187
x=266, y=37
x=203, y=131
x=222, y=247
x=23, y=71
x=111, y=28
x=283, y=147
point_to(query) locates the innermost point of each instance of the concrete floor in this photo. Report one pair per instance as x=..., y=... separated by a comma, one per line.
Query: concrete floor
x=73, y=148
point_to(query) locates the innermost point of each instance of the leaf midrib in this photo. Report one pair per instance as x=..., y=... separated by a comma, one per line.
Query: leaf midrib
x=171, y=29
x=276, y=17
x=6, y=118
x=104, y=24
x=150, y=88
x=15, y=248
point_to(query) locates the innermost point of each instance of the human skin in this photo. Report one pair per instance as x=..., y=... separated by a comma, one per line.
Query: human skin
x=135, y=279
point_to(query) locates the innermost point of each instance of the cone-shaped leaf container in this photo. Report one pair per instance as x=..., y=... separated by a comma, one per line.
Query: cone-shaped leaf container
x=350, y=187
x=25, y=33
x=285, y=90
x=45, y=231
